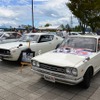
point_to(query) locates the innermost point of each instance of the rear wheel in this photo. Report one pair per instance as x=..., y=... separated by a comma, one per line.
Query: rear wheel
x=87, y=78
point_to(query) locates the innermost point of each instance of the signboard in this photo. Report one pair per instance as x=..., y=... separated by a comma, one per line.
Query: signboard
x=27, y=55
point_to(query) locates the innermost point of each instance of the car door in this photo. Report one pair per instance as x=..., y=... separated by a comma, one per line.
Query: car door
x=98, y=56
x=45, y=43
x=95, y=61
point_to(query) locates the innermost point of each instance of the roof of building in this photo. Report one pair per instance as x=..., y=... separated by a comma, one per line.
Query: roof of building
x=50, y=28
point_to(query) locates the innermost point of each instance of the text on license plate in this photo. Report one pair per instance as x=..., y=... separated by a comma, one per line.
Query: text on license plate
x=49, y=78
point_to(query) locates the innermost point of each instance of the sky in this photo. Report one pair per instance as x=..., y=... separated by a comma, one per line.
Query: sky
x=17, y=12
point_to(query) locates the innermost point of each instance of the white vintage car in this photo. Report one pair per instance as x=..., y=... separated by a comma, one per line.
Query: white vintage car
x=39, y=43
x=6, y=37
x=75, y=61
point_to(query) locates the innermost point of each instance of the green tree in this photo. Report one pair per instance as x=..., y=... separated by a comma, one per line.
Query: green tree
x=77, y=28
x=46, y=25
x=87, y=12
x=62, y=26
x=11, y=28
x=68, y=28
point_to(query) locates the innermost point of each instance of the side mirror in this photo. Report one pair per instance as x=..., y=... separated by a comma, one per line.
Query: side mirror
x=20, y=45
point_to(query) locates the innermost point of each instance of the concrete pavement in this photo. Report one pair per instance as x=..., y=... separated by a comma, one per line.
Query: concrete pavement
x=27, y=85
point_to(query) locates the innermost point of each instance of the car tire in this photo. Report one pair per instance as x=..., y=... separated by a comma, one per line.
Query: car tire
x=87, y=78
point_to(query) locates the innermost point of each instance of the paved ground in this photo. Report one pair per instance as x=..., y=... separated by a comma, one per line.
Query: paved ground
x=15, y=85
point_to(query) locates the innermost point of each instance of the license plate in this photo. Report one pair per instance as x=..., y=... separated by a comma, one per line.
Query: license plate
x=49, y=78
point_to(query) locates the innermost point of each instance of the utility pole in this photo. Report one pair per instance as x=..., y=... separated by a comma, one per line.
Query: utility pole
x=32, y=16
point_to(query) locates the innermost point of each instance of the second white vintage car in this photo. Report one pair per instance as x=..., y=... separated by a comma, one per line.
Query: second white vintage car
x=75, y=61
x=6, y=37
x=39, y=43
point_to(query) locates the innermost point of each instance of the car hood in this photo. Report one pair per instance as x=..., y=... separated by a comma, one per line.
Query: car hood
x=13, y=45
x=60, y=59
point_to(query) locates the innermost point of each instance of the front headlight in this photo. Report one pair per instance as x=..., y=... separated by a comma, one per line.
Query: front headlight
x=71, y=71
x=35, y=63
x=68, y=70
x=74, y=72
x=8, y=52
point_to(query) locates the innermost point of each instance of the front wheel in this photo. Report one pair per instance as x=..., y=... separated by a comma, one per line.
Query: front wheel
x=87, y=78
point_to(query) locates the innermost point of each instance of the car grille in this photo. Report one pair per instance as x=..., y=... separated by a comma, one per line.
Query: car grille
x=4, y=52
x=53, y=68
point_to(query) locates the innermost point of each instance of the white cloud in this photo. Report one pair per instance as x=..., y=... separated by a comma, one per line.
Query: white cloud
x=4, y=12
x=55, y=11
x=6, y=1
x=14, y=15
x=47, y=11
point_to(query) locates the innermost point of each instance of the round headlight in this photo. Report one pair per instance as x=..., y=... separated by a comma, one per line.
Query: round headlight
x=33, y=62
x=8, y=52
x=37, y=64
x=74, y=71
x=68, y=70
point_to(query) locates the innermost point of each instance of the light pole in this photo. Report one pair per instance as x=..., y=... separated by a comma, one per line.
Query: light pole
x=32, y=16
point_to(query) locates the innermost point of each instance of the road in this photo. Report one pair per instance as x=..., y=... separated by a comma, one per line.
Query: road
x=27, y=85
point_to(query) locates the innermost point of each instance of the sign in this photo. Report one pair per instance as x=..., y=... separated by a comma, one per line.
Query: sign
x=27, y=55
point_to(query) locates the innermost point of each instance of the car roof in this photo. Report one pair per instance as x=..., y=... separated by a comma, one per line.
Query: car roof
x=89, y=36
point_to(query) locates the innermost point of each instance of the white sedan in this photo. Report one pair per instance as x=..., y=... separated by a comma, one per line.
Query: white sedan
x=39, y=43
x=75, y=61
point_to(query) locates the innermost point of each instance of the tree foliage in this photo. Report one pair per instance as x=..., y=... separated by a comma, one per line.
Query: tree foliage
x=87, y=12
x=47, y=25
x=62, y=26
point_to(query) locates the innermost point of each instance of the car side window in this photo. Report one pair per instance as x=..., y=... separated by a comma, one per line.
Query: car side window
x=46, y=38
x=11, y=36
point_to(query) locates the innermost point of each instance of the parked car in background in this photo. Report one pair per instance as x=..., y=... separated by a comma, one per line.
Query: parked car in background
x=75, y=33
x=39, y=43
x=1, y=30
x=75, y=61
x=6, y=37
x=90, y=33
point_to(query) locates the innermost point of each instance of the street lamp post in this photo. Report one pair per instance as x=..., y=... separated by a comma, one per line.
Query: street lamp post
x=32, y=17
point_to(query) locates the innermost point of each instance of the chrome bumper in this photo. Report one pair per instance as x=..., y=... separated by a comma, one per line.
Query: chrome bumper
x=5, y=56
x=58, y=77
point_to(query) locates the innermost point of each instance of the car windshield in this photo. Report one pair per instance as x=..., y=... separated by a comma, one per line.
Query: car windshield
x=85, y=43
x=27, y=38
